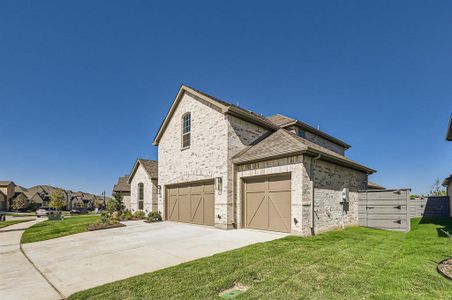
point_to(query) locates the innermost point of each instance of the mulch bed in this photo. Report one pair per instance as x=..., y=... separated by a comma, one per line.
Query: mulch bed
x=104, y=226
x=445, y=268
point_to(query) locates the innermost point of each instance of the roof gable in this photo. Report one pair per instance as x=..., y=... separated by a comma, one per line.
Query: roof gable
x=223, y=106
x=278, y=144
x=150, y=166
x=285, y=121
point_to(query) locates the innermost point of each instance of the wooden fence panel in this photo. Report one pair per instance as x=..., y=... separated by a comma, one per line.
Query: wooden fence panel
x=385, y=209
x=432, y=206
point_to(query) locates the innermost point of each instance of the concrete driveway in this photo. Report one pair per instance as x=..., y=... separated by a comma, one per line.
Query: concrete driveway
x=18, y=278
x=86, y=260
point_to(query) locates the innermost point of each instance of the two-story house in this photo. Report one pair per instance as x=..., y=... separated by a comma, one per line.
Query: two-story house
x=224, y=166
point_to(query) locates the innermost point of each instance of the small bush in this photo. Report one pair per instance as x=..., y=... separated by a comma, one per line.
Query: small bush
x=104, y=217
x=139, y=214
x=154, y=216
x=126, y=215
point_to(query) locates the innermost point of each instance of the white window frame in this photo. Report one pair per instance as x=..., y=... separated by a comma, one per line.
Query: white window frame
x=186, y=130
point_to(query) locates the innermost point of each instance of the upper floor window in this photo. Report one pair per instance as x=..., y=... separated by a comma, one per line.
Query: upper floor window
x=140, y=196
x=186, y=130
x=300, y=132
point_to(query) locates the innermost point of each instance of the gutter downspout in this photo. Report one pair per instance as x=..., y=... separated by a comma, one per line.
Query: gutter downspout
x=313, y=193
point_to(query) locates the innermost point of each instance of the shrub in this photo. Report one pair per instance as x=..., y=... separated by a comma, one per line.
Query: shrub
x=154, y=216
x=104, y=217
x=139, y=214
x=126, y=215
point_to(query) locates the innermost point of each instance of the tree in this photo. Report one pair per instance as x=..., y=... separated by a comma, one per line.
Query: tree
x=438, y=189
x=18, y=203
x=116, y=204
x=56, y=200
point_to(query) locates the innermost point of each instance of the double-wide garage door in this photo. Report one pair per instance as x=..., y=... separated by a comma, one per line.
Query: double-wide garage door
x=268, y=203
x=191, y=203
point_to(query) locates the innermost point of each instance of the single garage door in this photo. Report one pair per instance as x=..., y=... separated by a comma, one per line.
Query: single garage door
x=191, y=203
x=268, y=203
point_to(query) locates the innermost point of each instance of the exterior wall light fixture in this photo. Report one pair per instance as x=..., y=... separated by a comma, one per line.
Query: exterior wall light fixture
x=219, y=184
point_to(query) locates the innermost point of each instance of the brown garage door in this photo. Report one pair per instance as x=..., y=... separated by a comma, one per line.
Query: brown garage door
x=191, y=203
x=268, y=202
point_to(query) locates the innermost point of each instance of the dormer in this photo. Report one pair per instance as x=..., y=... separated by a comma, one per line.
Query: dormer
x=310, y=133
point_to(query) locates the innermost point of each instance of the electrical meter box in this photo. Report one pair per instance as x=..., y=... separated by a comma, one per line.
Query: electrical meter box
x=344, y=195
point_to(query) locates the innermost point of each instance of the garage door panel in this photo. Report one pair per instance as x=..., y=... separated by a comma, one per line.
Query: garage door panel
x=209, y=209
x=255, y=185
x=172, y=191
x=184, y=208
x=257, y=211
x=268, y=203
x=279, y=183
x=173, y=208
x=192, y=203
x=197, y=209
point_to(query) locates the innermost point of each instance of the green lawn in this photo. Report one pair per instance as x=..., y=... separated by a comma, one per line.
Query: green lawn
x=11, y=222
x=53, y=229
x=356, y=263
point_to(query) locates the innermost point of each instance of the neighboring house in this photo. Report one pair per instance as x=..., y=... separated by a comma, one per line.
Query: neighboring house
x=123, y=187
x=40, y=195
x=448, y=181
x=7, y=190
x=373, y=186
x=143, y=186
x=225, y=166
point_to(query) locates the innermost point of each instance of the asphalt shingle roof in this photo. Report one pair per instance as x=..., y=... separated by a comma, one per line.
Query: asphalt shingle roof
x=122, y=185
x=284, y=143
x=151, y=167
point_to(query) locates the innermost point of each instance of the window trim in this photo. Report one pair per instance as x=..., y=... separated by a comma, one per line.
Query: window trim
x=183, y=134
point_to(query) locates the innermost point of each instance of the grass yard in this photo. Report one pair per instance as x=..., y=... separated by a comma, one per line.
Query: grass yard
x=11, y=222
x=53, y=229
x=356, y=263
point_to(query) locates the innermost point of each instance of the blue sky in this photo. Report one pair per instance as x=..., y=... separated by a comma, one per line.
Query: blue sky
x=84, y=85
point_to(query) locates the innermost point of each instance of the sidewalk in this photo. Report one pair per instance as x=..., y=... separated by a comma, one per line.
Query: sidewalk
x=18, y=278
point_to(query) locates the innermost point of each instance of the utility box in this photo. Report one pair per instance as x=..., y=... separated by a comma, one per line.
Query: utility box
x=55, y=215
x=344, y=195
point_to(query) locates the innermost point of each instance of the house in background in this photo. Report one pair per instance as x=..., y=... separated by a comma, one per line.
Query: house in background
x=39, y=195
x=7, y=192
x=448, y=181
x=373, y=186
x=123, y=187
x=224, y=166
x=143, y=181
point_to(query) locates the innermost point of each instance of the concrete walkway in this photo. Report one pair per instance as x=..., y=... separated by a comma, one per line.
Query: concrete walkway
x=89, y=259
x=18, y=278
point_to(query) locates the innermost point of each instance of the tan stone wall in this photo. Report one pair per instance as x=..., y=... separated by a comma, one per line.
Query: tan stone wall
x=324, y=143
x=205, y=159
x=126, y=200
x=240, y=134
x=141, y=176
x=330, y=180
x=292, y=165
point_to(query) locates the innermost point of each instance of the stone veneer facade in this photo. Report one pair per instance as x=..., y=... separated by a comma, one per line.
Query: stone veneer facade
x=217, y=137
x=150, y=190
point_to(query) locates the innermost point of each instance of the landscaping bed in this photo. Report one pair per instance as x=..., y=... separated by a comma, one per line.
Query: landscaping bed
x=445, y=268
x=100, y=226
x=355, y=263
